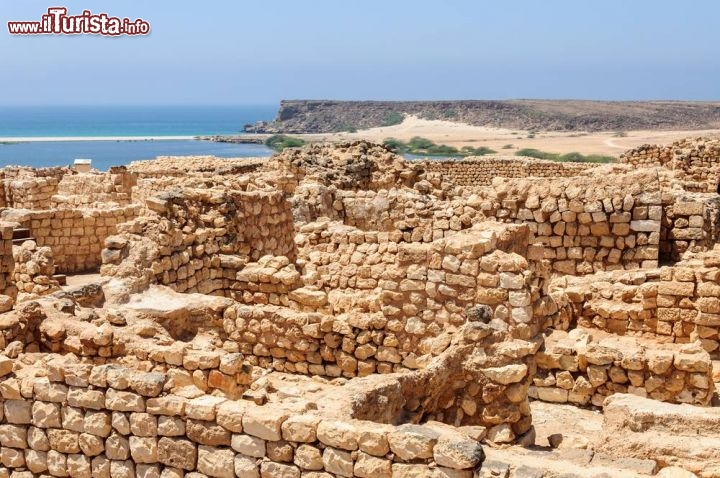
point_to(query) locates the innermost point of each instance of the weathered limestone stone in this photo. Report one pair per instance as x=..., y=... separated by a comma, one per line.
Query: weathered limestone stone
x=338, y=434
x=458, y=454
x=246, y=467
x=249, y=445
x=18, y=411
x=229, y=414
x=216, y=462
x=207, y=433
x=177, y=452
x=79, y=466
x=124, y=401
x=300, y=428
x=411, y=442
x=122, y=469
x=143, y=449
x=13, y=436
x=338, y=462
x=368, y=466
x=307, y=457
x=117, y=447
x=64, y=441
x=507, y=374
x=264, y=422
x=97, y=423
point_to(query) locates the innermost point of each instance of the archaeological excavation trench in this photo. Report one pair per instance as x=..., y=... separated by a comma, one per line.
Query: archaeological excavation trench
x=337, y=310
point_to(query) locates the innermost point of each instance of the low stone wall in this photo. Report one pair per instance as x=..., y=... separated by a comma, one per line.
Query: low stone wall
x=76, y=236
x=580, y=369
x=87, y=421
x=581, y=225
x=474, y=171
x=75, y=190
x=28, y=193
x=677, y=304
x=691, y=223
x=694, y=161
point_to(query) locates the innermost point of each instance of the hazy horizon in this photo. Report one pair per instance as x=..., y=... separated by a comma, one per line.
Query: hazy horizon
x=232, y=53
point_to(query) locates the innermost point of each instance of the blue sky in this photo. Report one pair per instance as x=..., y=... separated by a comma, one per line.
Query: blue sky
x=243, y=52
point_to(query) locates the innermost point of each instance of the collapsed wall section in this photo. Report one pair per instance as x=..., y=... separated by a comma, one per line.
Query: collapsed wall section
x=199, y=239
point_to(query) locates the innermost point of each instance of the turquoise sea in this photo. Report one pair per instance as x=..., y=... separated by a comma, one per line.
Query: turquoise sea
x=124, y=121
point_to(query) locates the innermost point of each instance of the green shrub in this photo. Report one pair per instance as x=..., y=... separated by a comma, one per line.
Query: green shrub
x=565, y=158
x=395, y=145
x=348, y=128
x=481, y=151
x=393, y=118
x=279, y=142
x=536, y=153
x=508, y=146
x=418, y=143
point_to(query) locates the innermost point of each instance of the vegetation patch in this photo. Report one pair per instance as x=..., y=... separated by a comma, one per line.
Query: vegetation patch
x=424, y=147
x=393, y=118
x=565, y=158
x=279, y=142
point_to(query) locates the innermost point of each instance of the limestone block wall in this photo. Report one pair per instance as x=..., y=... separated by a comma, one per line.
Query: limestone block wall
x=85, y=189
x=76, y=236
x=97, y=421
x=29, y=192
x=581, y=225
x=691, y=223
x=694, y=161
x=401, y=297
x=679, y=303
x=575, y=368
x=474, y=171
x=201, y=238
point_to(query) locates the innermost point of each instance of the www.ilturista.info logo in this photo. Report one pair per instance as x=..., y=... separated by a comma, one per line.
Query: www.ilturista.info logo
x=58, y=22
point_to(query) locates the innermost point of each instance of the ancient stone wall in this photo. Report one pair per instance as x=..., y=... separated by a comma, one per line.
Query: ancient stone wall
x=694, y=161
x=581, y=369
x=86, y=189
x=691, y=223
x=29, y=193
x=475, y=171
x=8, y=290
x=34, y=269
x=673, y=304
x=201, y=238
x=582, y=225
x=76, y=236
x=84, y=420
x=397, y=301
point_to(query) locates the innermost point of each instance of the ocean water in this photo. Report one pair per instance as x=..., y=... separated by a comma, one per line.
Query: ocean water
x=124, y=121
x=64, y=121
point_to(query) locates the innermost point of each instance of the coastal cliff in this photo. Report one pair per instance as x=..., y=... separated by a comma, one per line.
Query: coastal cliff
x=327, y=116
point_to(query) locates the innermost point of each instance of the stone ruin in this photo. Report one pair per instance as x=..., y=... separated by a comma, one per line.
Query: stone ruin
x=340, y=311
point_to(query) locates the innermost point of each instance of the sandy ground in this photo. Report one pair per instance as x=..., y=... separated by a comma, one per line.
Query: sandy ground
x=508, y=141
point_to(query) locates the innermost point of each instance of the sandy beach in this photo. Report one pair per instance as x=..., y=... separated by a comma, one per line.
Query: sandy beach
x=48, y=139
